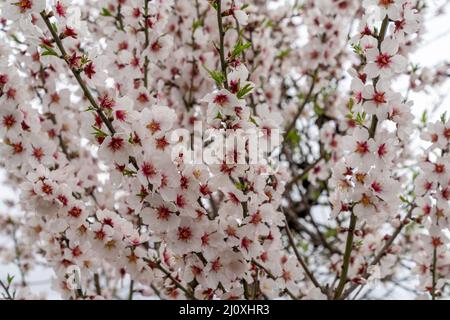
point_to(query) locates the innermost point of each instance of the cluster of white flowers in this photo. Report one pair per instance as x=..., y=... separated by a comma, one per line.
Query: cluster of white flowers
x=92, y=98
x=366, y=181
x=432, y=211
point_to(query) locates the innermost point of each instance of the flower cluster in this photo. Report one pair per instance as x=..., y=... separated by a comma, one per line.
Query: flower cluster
x=92, y=102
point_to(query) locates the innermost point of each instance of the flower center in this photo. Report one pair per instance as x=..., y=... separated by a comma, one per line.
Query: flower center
x=376, y=187
x=38, y=153
x=383, y=60
x=184, y=233
x=439, y=168
x=379, y=98
x=221, y=99
x=75, y=212
x=47, y=189
x=17, y=148
x=447, y=133
x=163, y=213
x=365, y=200
x=153, y=126
x=382, y=150
x=9, y=121
x=148, y=170
x=362, y=147
x=155, y=46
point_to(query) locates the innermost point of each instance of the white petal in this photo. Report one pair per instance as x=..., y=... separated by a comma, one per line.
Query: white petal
x=372, y=54
x=399, y=63
x=241, y=17
x=389, y=46
x=372, y=70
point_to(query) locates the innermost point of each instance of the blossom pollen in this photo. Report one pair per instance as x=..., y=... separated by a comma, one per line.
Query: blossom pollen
x=17, y=148
x=24, y=5
x=385, y=3
x=439, y=168
x=365, y=200
x=153, y=126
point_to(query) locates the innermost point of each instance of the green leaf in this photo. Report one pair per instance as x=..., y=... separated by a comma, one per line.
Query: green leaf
x=48, y=51
x=240, y=186
x=357, y=49
x=293, y=137
x=444, y=117
x=269, y=24
x=84, y=60
x=16, y=39
x=55, y=27
x=239, y=48
x=9, y=279
x=213, y=4
x=217, y=76
x=330, y=233
x=99, y=133
x=318, y=110
x=197, y=24
x=361, y=118
x=404, y=200
x=350, y=104
x=304, y=245
x=316, y=194
x=424, y=117
x=283, y=53
x=129, y=173
x=105, y=13
x=244, y=91
x=415, y=67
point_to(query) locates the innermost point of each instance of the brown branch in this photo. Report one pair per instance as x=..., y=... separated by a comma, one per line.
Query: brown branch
x=301, y=108
x=301, y=261
x=347, y=256
x=382, y=252
x=76, y=74
x=223, y=63
x=302, y=175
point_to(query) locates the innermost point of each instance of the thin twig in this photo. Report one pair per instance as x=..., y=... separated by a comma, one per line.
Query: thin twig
x=301, y=261
x=77, y=75
x=382, y=252
x=223, y=63
x=347, y=256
